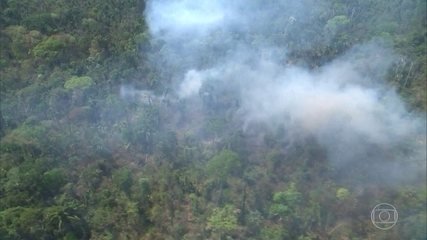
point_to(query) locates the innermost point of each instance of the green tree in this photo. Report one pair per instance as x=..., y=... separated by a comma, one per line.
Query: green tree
x=122, y=178
x=286, y=201
x=21, y=223
x=342, y=193
x=273, y=232
x=52, y=180
x=223, y=165
x=54, y=48
x=223, y=221
x=78, y=82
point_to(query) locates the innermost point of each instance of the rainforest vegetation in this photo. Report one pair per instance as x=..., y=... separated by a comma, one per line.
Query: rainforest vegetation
x=100, y=139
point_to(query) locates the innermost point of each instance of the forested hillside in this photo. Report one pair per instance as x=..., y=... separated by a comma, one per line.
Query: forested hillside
x=167, y=119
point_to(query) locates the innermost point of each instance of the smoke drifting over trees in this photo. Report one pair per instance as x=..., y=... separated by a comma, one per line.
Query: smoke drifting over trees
x=345, y=103
x=212, y=119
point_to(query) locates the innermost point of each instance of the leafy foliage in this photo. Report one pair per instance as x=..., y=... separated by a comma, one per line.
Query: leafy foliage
x=223, y=164
x=342, y=193
x=78, y=82
x=80, y=161
x=223, y=220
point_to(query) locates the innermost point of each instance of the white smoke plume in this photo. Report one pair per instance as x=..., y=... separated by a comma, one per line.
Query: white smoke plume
x=344, y=104
x=191, y=85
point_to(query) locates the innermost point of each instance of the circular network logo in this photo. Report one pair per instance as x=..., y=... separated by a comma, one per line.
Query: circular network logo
x=384, y=216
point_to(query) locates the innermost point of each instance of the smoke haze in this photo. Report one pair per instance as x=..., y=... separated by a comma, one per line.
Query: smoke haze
x=244, y=47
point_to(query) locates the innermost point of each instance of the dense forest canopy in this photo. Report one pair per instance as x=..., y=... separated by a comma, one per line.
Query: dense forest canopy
x=180, y=119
